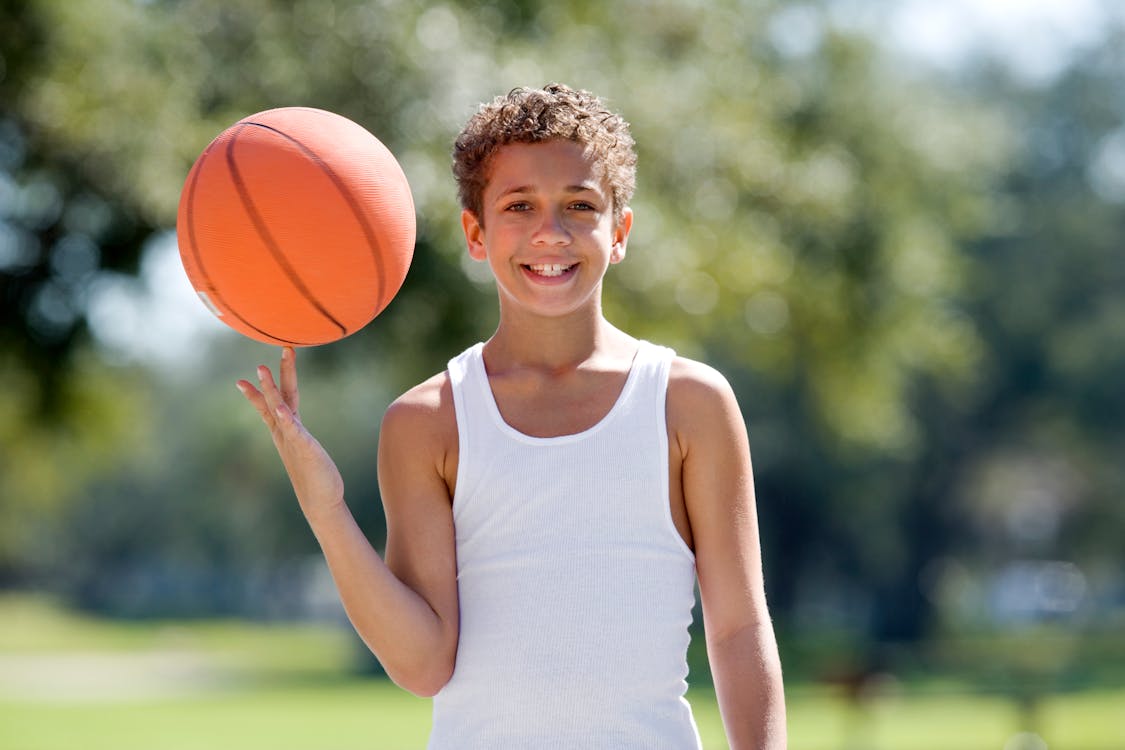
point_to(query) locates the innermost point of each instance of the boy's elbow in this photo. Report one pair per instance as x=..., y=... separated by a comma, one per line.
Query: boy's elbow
x=427, y=690
x=425, y=674
x=424, y=683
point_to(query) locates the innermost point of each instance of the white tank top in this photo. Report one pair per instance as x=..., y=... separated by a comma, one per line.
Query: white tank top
x=576, y=590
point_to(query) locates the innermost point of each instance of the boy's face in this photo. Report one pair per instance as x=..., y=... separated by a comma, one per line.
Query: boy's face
x=546, y=227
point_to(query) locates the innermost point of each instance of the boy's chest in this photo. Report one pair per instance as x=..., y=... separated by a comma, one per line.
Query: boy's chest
x=550, y=407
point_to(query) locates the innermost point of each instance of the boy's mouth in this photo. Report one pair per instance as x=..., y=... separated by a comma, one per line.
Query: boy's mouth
x=549, y=269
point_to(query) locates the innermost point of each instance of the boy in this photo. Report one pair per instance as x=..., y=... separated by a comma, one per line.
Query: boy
x=553, y=496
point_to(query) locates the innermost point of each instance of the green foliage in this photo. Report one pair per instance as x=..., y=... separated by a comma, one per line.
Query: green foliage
x=44, y=465
x=913, y=284
x=805, y=209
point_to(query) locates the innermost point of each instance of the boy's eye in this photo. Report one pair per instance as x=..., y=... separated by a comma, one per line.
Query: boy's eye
x=518, y=206
x=583, y=206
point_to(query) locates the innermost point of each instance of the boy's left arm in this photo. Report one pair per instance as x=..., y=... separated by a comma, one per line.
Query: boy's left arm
x=710, y=435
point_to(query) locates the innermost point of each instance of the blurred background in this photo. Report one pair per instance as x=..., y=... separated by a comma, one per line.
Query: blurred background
x=895, y=226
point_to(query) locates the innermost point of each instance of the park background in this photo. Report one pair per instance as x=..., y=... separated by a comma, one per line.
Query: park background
x=895, y=226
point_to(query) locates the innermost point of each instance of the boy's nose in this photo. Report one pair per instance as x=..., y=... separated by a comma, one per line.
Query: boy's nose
x=551, y=230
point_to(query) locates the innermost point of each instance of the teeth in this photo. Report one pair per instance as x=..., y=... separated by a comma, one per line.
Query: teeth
x=549, y=269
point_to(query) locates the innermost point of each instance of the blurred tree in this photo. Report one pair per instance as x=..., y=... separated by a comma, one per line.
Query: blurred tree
x=62, y=414
x=810, y=219
x=798, y=214
x=1039, y=474
x=59, y=222
x=103, y=106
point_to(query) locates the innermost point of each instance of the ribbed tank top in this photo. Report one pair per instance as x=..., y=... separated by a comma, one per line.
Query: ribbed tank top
x=576, y=590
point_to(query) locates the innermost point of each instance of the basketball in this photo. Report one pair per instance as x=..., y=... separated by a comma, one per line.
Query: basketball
x=296, y=226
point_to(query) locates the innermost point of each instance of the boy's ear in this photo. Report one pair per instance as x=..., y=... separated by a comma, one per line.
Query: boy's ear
x=474, y=235
x=621, y=236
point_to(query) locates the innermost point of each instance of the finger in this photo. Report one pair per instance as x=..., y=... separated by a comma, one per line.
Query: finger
x=288, y=370
x=269, y=388
x=256, y=399
x=285, y=419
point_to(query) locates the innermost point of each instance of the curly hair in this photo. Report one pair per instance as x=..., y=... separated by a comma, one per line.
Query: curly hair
x=527, y=115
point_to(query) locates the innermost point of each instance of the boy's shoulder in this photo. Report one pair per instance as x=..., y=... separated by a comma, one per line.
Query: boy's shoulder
x=698, y=395
x=691, y=379
x=425, y=410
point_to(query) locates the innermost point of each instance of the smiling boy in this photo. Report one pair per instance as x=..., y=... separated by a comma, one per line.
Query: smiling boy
x=553, y=496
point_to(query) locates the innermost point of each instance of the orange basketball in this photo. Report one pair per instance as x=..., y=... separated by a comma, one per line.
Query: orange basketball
x=296, y=226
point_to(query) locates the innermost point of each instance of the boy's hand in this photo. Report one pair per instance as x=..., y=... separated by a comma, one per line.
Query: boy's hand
x=315, y=477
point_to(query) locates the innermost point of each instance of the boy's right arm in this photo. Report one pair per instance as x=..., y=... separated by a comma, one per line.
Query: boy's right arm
x=405, y=609
x=417, y=475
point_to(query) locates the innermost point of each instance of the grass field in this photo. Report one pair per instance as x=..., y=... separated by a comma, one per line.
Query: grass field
x=70, y=682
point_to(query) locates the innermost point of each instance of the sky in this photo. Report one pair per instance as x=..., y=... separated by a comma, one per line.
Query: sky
x=159, y=320
x=1035, y=37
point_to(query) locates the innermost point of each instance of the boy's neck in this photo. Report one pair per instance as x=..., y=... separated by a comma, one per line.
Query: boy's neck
x=556, y=343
